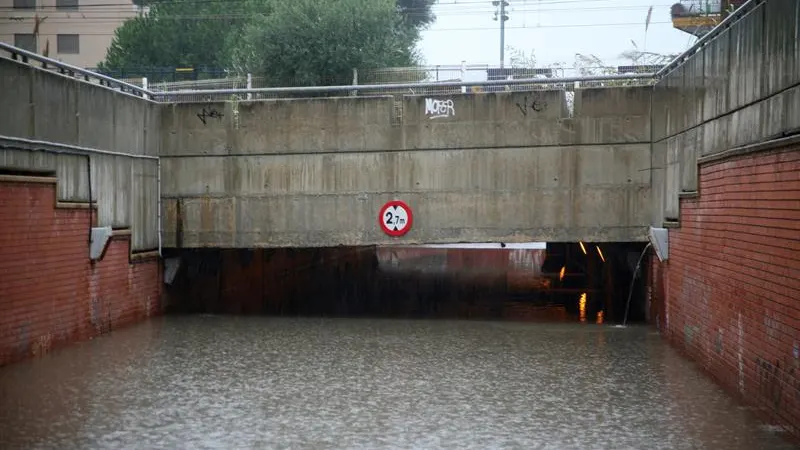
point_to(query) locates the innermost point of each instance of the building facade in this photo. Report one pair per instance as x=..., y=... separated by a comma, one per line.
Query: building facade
x=77, y=32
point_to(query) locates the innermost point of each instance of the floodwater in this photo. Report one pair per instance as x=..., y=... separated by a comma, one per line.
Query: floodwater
x=252, y=382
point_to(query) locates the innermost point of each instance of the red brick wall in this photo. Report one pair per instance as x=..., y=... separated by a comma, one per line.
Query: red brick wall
x=50, y=292
x=729, y=296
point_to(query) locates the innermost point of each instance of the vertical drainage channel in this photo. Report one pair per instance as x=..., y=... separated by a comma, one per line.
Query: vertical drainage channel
x=178, y=224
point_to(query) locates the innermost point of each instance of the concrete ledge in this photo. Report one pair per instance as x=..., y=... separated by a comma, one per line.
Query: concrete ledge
x=771, y=144
x=76, y=205
x=27, y=179
x=672, y=224
x=688, y=194
x=142, y=256
x=133, y=256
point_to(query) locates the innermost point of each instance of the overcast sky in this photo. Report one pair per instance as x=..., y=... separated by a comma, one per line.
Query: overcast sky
x=554, y=29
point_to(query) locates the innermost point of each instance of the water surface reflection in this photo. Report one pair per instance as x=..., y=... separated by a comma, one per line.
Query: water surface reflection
x=254, y=382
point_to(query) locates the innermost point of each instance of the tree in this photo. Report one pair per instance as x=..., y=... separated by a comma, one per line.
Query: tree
x=417, y=13
x=230, y=34
x=313, y=42
x=176, y=33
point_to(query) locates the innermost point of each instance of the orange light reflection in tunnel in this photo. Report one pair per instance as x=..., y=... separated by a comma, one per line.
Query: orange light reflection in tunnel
x=561, y=274
x=600, y=252
x=599, y=317
x=583, y=249
x=582, y=307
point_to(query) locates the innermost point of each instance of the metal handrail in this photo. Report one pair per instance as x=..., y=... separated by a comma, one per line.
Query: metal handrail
x=737, y=14
x=379, y=87
x=64, y=67
x=124, y=86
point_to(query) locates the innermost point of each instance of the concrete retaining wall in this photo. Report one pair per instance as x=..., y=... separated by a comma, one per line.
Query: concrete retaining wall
x=44, y=105
x=742, y=87
x=47, y=106
x=488, y=167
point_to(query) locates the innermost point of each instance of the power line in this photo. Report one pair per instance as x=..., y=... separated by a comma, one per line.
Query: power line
x=117, y=18
x=593, y=25
x=82, y=15
x=127, y=6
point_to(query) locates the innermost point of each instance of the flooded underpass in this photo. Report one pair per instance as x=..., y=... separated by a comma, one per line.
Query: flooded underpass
x=370, y=353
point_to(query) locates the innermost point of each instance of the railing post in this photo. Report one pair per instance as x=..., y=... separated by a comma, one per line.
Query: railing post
x=353, y=93
x=463, y=76
x=144, y=86
x=249, y=85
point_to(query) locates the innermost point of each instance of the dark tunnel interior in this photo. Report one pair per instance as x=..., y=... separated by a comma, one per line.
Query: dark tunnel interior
x=581, y=281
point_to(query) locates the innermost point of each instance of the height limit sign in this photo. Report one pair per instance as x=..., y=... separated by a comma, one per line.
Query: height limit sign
x=396, y=218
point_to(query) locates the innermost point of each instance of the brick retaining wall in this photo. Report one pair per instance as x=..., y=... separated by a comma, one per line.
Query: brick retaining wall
x=729, y=296
x=50, y=291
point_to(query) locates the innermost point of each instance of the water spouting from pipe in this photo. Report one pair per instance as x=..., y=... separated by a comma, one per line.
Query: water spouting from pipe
x=633, y=279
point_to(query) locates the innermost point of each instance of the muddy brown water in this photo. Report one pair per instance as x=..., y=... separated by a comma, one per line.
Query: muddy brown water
x=224, y=382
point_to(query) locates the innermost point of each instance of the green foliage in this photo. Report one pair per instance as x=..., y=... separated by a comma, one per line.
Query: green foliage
x=417, y=13
x=174, y=34
x=313, y=42
x=299, y=42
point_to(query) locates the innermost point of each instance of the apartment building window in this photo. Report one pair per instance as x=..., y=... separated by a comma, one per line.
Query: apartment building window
x=25, y=41
x=67, y=5
x=24, y=4
x=68, y=44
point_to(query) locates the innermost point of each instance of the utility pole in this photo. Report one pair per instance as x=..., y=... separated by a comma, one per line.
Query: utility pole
x=502, y=17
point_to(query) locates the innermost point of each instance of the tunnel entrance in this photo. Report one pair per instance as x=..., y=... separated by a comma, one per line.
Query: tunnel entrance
x=526, y=282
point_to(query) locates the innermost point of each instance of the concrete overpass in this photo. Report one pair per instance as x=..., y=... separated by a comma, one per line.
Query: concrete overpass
x=505, y=166
x=315, y=172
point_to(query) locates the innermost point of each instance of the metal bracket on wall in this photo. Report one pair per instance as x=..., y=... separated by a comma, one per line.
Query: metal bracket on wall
x=100, y=237
x=659, y=238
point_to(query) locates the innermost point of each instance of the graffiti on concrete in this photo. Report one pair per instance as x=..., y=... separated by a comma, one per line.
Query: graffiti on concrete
x=436, y=109
x=533, y=105
x=210, y=113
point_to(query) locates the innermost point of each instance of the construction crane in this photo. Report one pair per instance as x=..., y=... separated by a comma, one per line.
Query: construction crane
x=698, y=17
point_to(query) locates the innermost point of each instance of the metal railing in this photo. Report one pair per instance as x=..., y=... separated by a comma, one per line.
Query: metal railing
x=737, y=14
x=430, y=80
x=46, y=63
x=420, y=88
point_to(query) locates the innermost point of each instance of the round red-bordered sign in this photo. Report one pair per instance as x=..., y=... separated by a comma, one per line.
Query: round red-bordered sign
x=396, y=218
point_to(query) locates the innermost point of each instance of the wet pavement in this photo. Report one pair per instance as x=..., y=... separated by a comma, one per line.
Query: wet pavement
x=254, y=382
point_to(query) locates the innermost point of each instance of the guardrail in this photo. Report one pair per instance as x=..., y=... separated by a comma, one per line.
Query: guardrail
x=25, y=56
x=737, y=14
x=413, y=88
x=410, y=88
